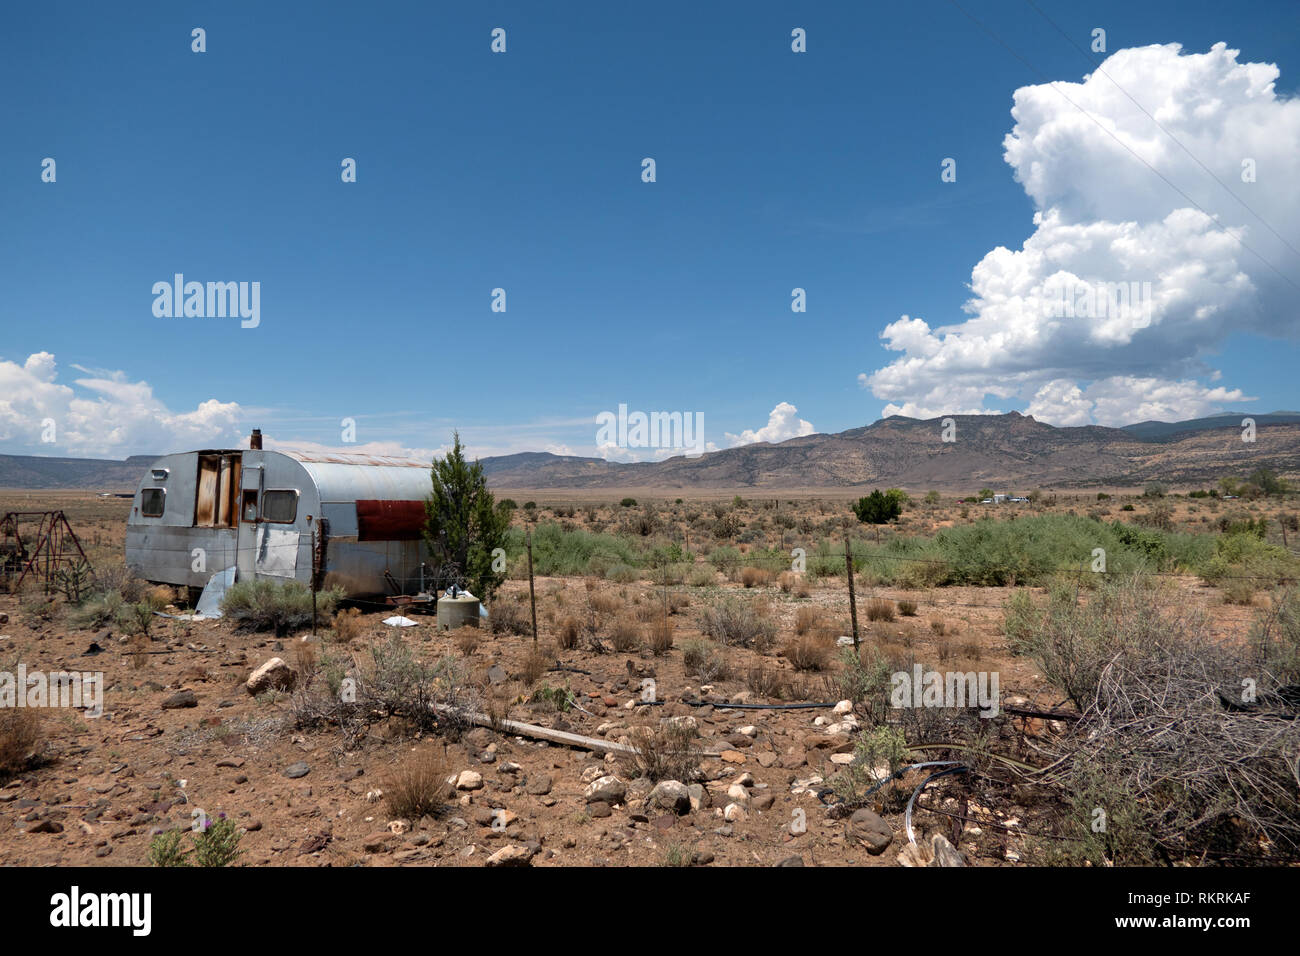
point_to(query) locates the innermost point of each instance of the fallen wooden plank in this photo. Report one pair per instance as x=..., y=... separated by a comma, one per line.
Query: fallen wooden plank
x=548, y=734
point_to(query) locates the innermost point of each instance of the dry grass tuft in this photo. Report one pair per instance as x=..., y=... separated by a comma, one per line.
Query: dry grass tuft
x=659, y=635
x=20, y=736
x=419, y=786
x=810, y=652
x=348, y=625
x=880, y=609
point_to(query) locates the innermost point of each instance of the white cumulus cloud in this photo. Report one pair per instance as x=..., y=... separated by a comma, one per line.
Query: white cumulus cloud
x=101, y=414
x=783, y=423
x=1108, y=310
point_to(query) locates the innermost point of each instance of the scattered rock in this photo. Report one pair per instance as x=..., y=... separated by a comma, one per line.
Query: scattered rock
x=671, y=795
x=469, y=780
x=182, y=698
x=275, y=674
x=608, y=789
x=296, y=770
x=512, y=855
x=539, y=784
x=870, y=830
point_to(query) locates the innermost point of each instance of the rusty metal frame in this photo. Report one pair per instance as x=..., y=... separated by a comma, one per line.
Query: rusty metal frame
x=57, y=546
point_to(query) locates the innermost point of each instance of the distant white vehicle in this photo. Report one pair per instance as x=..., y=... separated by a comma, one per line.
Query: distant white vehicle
x=987, y=501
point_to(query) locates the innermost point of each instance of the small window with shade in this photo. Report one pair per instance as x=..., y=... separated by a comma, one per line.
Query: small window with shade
x=152, y=502
x=280, y=506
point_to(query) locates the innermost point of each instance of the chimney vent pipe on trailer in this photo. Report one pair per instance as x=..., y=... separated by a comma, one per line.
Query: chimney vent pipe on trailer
x=255, y=440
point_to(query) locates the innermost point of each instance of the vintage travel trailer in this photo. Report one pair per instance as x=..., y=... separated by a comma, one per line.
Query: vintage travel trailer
x=355, y=519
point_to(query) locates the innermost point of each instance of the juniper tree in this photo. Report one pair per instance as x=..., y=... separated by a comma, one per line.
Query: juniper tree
x=464, y=524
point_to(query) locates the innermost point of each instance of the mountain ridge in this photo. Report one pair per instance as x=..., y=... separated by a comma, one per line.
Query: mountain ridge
x=901, y=451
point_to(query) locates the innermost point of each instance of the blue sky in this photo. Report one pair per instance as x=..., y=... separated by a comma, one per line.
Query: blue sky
x=522, y=171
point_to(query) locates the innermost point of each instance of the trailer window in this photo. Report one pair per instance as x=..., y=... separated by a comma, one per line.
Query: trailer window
x=281, y=506
x=152, y=502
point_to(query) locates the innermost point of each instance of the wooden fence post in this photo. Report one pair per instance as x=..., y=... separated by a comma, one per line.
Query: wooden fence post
x=532, y=597
x=853, y=601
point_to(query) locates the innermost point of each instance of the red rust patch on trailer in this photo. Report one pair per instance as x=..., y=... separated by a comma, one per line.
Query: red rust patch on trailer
x=379, y=520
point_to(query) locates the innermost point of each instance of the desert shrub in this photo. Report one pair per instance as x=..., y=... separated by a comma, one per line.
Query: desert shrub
x=509, y=617
x=730, y=620
x=766, y=681
x=1192, y=769
x=622, y=574
x=466, y=639
x=659, y=635
x=907, y=608
x=20, y=738
x=1239, y=591
x=428, y=696
x=536, y=662
x=122, y=580
x=752, y=577
x=348, y=625
x=1275, y=636
x=670, y=575
x=215, y=844
x=279, y=606
x=726, y=526
x=625, y=635
x=572, y=551
x=136, y=620
x=864, y=679
x=809, y=652
x=877, y=753
x=1244, y=554
x=701, y=576
x=604, y=604
x=807, y=619
x=726, y=558
x=1019, y=622
x=419, y=786
x=98, y=610
x=879, y=609
x=168, y=849
x=670, y=751
x=704, y=660
x=566, y=635
x=1073, y=642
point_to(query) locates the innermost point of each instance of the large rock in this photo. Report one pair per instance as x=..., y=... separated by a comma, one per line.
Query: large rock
x=275, y=674
x=512, y=855
x=607, y=789
x=469, y=780
x=672, y=795
x=539, y=784
x=870, y=830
